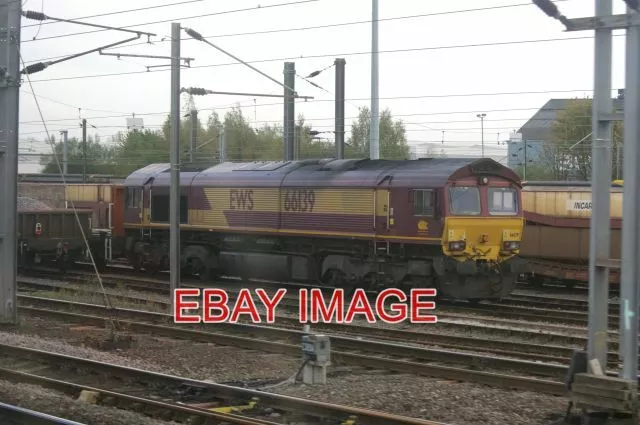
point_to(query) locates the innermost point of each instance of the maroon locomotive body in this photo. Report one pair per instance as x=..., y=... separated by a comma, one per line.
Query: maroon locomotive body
x=453, y=223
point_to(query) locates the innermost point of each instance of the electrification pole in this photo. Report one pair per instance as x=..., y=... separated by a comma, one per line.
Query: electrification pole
x=223, y=145
x=174, y=194
x=84, y=151
x=9, y=105
x=340, y=63
x=482, y=116
x=599, y=246
x=631, y=196
x=65, y=152
x=525, y=161
x=194, y=134
x=374, y=135
x=289, y=110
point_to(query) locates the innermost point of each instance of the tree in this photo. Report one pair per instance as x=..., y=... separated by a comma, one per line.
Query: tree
x=569, y=154
x=310, y=146
x=138, y=149
x=100, y=159
x=431, y=153
x=535, y=172
x=207, y=139
x=392, y=140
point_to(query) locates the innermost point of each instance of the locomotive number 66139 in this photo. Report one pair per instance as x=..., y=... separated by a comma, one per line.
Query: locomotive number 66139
x=299, y=200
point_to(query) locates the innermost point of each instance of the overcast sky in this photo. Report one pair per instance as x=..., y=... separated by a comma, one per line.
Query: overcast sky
x=449, y=84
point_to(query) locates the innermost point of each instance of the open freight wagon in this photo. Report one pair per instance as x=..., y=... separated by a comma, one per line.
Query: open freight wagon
x=99, y=216
x=556, y=235
x=53, y=236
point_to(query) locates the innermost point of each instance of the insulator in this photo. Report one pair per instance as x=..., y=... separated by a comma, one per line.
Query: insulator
x=547, y=7
x=38, y=16
x=193, y=33
x=36, y=67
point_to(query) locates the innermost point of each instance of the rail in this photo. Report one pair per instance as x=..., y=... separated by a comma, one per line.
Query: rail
x=278, y=340
x=10, y=414
x=146, y=380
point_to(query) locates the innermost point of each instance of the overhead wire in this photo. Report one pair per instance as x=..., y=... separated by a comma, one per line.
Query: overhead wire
x=140, y=9
x=175, y=19
x=328, y=55
x=314, y=119
x=488, y=94
x=333, y=25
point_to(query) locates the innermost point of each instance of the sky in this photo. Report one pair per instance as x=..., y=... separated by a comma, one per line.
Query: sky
x=440, y=64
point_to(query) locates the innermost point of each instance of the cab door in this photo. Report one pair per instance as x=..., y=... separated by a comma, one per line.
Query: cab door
x=133, y=205
x=385, y=220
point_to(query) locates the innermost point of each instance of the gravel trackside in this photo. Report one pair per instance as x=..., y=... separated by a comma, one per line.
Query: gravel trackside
x=182, y=358
x=432, y=399
x=57, y=404
x=437, y=400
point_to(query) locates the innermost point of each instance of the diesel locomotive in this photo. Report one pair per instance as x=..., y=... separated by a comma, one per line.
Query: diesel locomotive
x=454, y=224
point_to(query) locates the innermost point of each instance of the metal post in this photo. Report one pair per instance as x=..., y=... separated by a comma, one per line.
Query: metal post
x=9, y=106
x=194, y=134
x=84, y=150
x=65, y=152
x=289, y=110
x=340, y=63
x=174, y=196
x=601, y=183
x=223, y=145
x=296, y=142
x=631, y=196
x=524, y=174
x=374, y=131
x=618, y=160
x=481, y=116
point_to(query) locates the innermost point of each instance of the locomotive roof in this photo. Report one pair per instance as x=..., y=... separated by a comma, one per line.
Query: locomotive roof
x=429, y=172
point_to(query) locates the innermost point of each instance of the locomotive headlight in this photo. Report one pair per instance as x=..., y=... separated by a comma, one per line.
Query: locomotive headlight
x=511, y=245
x=457, y=246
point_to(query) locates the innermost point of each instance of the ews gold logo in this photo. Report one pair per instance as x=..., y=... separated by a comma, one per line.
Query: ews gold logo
x=241, y=199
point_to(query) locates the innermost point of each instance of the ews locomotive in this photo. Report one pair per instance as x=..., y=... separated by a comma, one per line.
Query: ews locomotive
x=452, y=224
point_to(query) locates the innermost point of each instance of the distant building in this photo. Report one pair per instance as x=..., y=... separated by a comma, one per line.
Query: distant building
x=538, y=130
x=519, y=151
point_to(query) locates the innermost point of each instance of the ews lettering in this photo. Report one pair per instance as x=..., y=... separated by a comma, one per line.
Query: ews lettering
x=241, y=199
x=302, y=200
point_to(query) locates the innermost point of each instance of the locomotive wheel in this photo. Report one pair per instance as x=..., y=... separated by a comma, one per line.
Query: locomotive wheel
x=338, y=279
x=200, y=269
x=63, y=263
x=136, y=262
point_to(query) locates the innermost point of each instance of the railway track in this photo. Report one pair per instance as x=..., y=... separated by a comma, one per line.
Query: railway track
x=549, y=352
x=349, y=351
x=169, y=397
x=520, y=307
x=14, y=415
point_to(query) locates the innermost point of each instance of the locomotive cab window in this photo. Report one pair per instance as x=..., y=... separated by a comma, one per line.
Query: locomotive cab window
x=423, y=202
x=133, y=197
x=464, y=200
x=502, y=201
